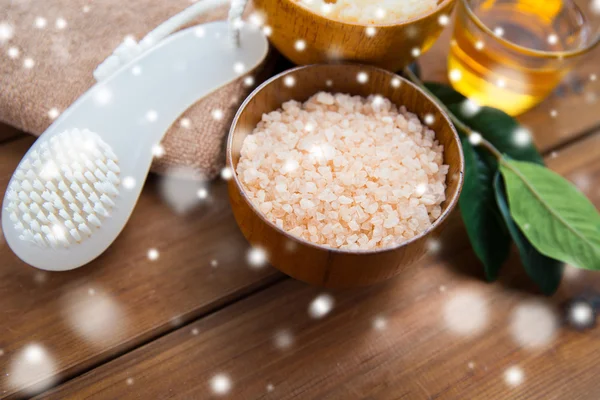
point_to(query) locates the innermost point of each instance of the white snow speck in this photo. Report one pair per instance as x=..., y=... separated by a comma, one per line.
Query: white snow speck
x=185, y=123
x=429, y=119
x=249, y=81
x=40, y=22
x=158, y=151
x=257, y=257
x=581, y=315
x=321, y=306
x=217, y=114
x=239, y=68
x=13, y=52
x=533, y=324
x=379, y=323
x=226, y=173
x=32, y=365
x=469, y=107
x=475, y=138
x=455, y=75
x=151, y=116
x=6, y=32
x=421, y=189
x=129, y=182
x=153, y=254
x=28, y=63
x=434, y=245
x=514, y=376
x=202, y=193
x=522, y=137
x=289, y=81
x=60, y=23
x=283, y=339
x=466, y=313
x=102, y=96
x=53, y=113
x=220, y=384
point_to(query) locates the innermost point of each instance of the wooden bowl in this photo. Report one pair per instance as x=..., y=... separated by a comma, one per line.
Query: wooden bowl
x=391, y=47
x=317, y=264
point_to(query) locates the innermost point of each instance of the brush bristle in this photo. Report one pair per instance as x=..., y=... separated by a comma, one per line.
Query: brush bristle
x=63, y=191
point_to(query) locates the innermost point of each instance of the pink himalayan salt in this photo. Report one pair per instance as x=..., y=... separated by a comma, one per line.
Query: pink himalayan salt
x=345, y=171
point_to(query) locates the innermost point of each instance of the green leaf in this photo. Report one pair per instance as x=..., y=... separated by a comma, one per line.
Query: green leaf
x=556, y=218
x=479, y=212
x=503, y=131
x=445, y=93
x=499, y=128
x=544, y=271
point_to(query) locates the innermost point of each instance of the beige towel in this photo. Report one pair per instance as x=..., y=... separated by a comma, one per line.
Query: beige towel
x=60, y=42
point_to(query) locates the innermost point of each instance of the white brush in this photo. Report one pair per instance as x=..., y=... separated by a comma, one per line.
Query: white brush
x=76, y=187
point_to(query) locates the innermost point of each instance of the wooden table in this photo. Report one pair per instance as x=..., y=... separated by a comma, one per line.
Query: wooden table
x=199, y=320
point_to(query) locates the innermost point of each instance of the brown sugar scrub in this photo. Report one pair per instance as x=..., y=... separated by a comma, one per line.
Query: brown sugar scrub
x=344, y=171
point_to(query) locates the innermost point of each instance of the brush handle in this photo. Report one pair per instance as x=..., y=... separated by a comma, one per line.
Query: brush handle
x=130, y=49
x=235, y=17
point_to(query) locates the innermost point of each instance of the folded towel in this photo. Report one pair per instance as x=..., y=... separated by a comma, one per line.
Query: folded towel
x=50, y=49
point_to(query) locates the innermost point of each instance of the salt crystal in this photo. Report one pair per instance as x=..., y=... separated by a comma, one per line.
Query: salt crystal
x=306, y=204
x=325, y=98
x=345, y=200
x=358, y=190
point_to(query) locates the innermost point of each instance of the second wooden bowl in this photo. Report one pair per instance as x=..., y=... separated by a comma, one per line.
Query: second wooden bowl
x=321, y=265
x=392, y=45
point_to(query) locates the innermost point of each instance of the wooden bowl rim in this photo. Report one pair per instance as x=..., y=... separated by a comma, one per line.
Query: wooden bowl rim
x=452, y=202
x=416, y=18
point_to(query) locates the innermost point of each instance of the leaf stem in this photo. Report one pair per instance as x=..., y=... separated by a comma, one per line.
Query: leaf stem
x=462, y=127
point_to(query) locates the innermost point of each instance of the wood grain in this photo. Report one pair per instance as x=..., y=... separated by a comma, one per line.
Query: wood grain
x=321, y=265
x=121, y=300
x=154, y=297
x=329, y=40
x=436, y=332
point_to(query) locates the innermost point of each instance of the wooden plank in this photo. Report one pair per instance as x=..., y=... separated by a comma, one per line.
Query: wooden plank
x=576, y=101
x=437, y=332
x=86, y=316
x=150, y=298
